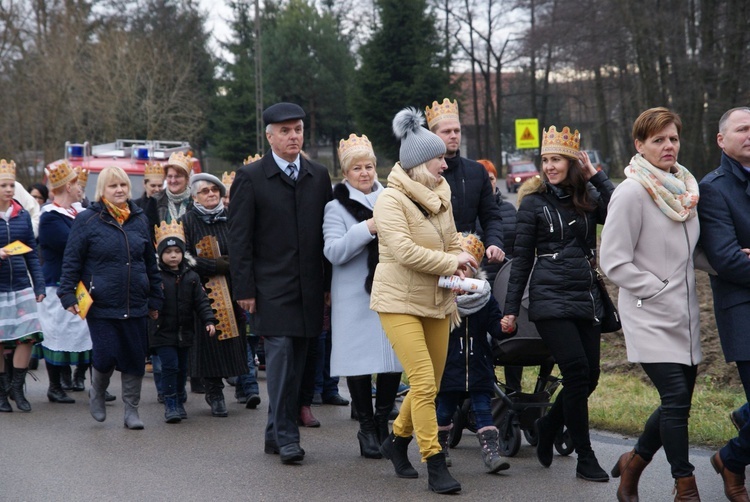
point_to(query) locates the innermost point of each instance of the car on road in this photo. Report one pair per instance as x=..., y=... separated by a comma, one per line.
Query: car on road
x=598, y=161
x=518, y=173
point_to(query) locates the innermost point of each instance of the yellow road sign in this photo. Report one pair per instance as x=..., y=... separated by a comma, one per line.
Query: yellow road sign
x=527, y=133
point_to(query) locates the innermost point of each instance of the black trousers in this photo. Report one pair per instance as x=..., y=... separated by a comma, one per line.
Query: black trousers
x=285, y=363
x=668, y=424
x=575, y=345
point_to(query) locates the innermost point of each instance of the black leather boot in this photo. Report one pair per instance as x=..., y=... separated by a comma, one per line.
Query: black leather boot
x=55, y=393
x=79, y=377
x=439, y=479
x=395, y=449
x=215, y=397
x=16, y=389
x=385, y=398
x=4, y=384
x=66, y=378
x=588, y=467
x=360, y=390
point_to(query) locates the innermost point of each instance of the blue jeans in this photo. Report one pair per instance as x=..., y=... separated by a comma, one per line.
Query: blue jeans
x=247, y=384
x=174, y=366
x=736, y=453
x=325, y=385
x=481, y=405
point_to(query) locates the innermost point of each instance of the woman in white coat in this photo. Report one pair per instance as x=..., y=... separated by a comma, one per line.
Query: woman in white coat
x=359, y=344
x=647, y=250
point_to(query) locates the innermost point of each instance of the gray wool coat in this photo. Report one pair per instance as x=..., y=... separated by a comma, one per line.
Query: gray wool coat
x=650, y=257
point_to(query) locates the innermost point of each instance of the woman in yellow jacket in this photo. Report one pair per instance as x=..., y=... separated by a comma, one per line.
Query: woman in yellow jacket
x=417, y=244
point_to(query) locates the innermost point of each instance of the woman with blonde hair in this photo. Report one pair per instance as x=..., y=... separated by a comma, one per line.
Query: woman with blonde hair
x=418, y=243
x=110, y=252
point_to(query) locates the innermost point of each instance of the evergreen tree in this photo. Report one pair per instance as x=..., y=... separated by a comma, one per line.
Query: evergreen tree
x=402, y=65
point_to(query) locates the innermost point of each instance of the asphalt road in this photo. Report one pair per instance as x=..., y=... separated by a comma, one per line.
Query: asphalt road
x=58, y=452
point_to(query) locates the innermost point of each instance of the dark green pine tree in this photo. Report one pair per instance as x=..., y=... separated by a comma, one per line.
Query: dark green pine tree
x=232, y=119
x=403, y=64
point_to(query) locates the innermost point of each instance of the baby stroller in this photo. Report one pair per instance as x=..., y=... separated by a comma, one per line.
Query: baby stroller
x=514, y=412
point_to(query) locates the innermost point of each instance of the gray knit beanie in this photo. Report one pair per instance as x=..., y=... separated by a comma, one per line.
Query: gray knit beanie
x=418, y=145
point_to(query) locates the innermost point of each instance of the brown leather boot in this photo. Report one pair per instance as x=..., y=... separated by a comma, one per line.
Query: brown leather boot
x=686, y=490
x=629, y=466
x=734, y=484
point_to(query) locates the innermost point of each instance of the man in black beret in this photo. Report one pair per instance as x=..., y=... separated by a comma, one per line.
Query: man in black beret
x=277, y=265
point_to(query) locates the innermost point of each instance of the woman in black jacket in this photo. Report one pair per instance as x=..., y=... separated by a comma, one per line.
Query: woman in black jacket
x=555, y=217
x=110, y=251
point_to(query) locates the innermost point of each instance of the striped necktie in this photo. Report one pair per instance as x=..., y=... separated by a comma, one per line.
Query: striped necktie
x=291, y=171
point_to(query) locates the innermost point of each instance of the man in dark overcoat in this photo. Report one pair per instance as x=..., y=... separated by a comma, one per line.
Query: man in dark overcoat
x=724, y=212
x=278, y=270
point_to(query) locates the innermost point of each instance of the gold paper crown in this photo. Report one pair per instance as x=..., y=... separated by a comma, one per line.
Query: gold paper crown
x=227, y=179
x=165, y=231
x=355, y=147
x=250, y=159
x=153, y=171
x=60, y=174
x=182, y=161
x=441, y=111
x=472, y=245
x=7, y=170
x=563, y=143
x=83, y=176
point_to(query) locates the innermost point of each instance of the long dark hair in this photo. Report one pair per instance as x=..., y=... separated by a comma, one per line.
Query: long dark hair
x=577, y=186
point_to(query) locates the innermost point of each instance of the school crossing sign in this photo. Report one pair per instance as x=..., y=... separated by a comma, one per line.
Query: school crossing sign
x=527, y=133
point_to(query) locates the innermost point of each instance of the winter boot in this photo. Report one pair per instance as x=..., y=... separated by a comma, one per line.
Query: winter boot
x=79, y=377
x=368, y=437
x=361, y=393
x=686, y=490
x=395, y=448
x=55, y=393
x=131, y=396
x=488, y=437
x=444, y=433
x=588, y=467
x=439, y=479
x=171, y=412
x=66, y=378
x=16, y=389
x=4, y=404
x=630, y=465
x=215, y=397
x=99, y=384
x=181, y=400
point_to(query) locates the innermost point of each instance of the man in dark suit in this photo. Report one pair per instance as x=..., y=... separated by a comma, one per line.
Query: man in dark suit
x=278, y=270
x=724, y=212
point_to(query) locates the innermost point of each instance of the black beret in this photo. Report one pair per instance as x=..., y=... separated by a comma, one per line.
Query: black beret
x=281, y=112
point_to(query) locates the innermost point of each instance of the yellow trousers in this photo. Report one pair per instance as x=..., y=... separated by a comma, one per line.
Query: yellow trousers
x=421, y=344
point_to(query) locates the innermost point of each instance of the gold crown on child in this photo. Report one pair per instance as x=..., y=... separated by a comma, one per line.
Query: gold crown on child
x=60, y=174
x=83, y=176
x=227, y=179
x=166, y=230
x=250, y=159
x=355, y=145
x=7, y=170
x=153, y=170
x=563, y=143
x=441, y=111
x=472, y=245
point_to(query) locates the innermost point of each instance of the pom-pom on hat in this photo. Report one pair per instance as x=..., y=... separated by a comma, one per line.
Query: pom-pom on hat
x=563, y=143
x=418, y=145
x=7, y=170
x=472, y=244
x=60, y=174
x=167, y=235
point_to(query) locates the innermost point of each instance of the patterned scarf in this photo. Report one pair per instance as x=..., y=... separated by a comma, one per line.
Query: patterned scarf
x=177, y=204
x=676, y=194
x=120, y=213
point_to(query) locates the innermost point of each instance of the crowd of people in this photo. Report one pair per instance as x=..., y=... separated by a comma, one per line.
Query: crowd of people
x=366, y=279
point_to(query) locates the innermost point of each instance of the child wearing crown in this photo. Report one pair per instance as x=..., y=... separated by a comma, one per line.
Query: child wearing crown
x=171, y=334
x=468, y=367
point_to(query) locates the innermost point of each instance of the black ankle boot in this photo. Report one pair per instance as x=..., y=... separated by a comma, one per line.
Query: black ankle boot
x=55, y=393
x=66, y=378
x=395, y=449
x=215, y=398
x=4, y=384
x=368, y=438
x=16, y=389
x=79, y=377
x=588, y=468
x=439, y=479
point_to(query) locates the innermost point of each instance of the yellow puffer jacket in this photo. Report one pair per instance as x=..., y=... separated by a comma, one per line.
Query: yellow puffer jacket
x=414, y=249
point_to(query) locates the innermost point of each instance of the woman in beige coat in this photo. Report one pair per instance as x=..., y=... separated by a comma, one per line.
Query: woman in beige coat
x=417, y=244
x=647, y=250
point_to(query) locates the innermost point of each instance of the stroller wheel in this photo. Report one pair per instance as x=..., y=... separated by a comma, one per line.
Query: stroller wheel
x=459, y=421
x=563, y=442
x=510, y=436
x=530, y=436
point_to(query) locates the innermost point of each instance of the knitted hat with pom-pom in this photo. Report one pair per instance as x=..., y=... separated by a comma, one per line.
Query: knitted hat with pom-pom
x=418, y=145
